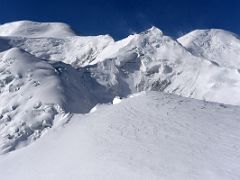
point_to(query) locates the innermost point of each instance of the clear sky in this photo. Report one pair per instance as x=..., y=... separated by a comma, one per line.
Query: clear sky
x=122, y=17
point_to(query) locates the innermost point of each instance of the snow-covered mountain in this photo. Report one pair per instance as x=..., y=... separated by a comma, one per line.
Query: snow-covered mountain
x=48, y=74
x=218, y=46
x=34, y=92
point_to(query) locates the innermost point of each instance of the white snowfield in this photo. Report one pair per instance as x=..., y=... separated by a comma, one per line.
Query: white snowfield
x=150, y=136
x=53, y=80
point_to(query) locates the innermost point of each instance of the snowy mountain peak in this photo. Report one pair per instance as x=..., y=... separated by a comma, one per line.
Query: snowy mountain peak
x=219, y=46
x=154, y=31
x=207, y=35
x=210, y=32
x=35, y=29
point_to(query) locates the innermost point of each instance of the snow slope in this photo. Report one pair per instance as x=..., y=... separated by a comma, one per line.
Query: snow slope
x=148, y=136
x=35, y=94
x=77, y=50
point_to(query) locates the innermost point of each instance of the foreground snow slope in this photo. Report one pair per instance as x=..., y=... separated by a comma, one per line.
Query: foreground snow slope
x=148, y=136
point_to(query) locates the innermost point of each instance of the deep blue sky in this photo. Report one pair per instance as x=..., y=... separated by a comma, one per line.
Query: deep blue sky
x=122, y=17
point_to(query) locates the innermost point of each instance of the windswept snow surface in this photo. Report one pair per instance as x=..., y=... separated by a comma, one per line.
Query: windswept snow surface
x=149, y=136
